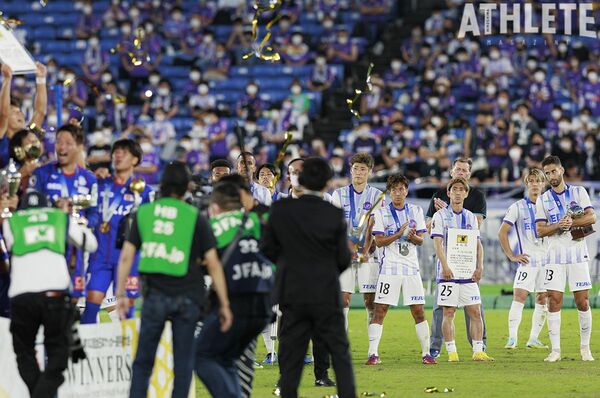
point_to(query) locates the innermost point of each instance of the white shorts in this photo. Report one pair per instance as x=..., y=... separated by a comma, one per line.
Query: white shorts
x=109, y=299
x=364, y=275
x=530, y=278
x=389, y=286
x=452, y=294
x=557, y=275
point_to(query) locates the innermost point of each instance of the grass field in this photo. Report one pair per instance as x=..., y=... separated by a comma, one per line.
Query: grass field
x=517, y=373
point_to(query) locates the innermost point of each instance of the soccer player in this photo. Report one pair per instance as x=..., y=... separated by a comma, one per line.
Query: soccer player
x=454, y=292
x=247, y=162
x=355, y=199
x=266, y=176
x=559, y=210
x=60, y=180
x=398, y=230
x=116, y=202
x=530, y=253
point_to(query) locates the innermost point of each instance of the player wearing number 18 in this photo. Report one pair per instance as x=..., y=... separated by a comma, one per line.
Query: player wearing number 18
x=175, y=241
x=398, y=230
x=454, y=291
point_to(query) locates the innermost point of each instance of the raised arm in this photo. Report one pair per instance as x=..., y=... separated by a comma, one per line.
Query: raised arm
x=40, y=104
x=5, y=99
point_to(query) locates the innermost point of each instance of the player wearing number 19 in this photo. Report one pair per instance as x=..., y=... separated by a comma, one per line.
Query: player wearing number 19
x=175, y=240
x=398, y=230
x=530, y=252
x=458, y=292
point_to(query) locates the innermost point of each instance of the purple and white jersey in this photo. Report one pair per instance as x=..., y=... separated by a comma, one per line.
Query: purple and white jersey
x=445, y=219
x=551, y=206
x=354, y=203
x=261, y=194
x=521, y=216
x=399, y=257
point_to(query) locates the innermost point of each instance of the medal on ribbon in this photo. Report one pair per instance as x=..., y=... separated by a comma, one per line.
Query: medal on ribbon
x=108, y=208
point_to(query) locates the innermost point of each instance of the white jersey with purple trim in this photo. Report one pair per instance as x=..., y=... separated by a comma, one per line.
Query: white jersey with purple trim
x=261, y=194
x=551, y=207
x=521, y=216
x=347, y=199
x=399, y=257
x=446, y=218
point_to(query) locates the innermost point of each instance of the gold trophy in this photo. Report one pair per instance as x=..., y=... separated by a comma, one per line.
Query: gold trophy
x=80, y=202
x=31, y=152
x=12, y=178
x=137, y=186
x=578, y=233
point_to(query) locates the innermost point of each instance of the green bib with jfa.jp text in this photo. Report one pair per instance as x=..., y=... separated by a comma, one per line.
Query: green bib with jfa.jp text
x=38, y=229
x=166, y=229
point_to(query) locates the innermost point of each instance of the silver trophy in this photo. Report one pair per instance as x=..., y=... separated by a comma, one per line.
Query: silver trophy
x=11, y=179
x=80, y=202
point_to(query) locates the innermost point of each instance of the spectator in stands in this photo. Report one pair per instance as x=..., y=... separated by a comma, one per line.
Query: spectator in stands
x=541, y=97
x=373, y=14
x=589, y=92
x=75, y=91
x=488, y=101
x=206, y=10
x=98, y=151
x=237, y=38
x=218, y=66
x=163, y=99
x=591, y=149
x=513, y=166
x=206, y=50
x=296, y=53
x=283, y=34
x=322, y=75
x=88, y=23
x=300, y=106
x=499, y=67
x=250, y=104
x=432, y=153
x=584, y=122
x=477, y=140
x=536, y=150
x=552, y=123
x=291, y=8
x=393, y=146
x=343, y=50
x=202, y=99
x=569, y=154
x=522, y=126
x=114, y=15
x=217, y=136
x=190, y=42
x=191, y=86
x=328, y=34
x=95, y=60
x=253, y=140
x=151, y=88
x=497, y=152
x=411, y=47
x=502, y=109
x=434, y=25
x=112, y=108
x=161, y=130
x=363, y=140
x=174, y=25
x=396, y=76
x=466, y=75
x=149, y=166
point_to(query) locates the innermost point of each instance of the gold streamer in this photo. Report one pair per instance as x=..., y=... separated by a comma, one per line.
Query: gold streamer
x=258, y=49
x=358, y=93
x=9, y=21
x=280, y=156
x=39, y=131
x=432, y=390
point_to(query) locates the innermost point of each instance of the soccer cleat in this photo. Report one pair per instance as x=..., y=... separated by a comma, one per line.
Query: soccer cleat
x=373, y=360
x=511, y=344
x=453, y=357
x=269, y=361
x=586, y=355
x=429, y=360
x=482, y=357
x=324, y=382
x=257, y=365
x=434, y=353
x=554, y=356
x=536, y=343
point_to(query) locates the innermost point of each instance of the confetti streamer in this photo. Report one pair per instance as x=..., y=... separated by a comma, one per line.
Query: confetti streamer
x=9, y=22
x=138, y=41
x=433, y=390
x=374, y=394
x=44, y=3
x=280, y=156
x=84, y=80
x=40, y=132
x=261, y=50
x=75, y=112
x=358, y=93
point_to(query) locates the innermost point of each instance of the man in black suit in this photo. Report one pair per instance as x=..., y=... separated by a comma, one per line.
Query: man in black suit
x=306, y=238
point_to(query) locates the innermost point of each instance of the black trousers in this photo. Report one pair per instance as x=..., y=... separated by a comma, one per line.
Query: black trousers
x=321, y=358
x=29, y=312
x=326, y=323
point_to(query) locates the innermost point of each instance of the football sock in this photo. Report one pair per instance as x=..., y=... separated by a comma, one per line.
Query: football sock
x=537, y=320
x=90, y=313
x=554, y=330
x=375, y=331
x=514, y=318
x=346, y=311
x=266, y=335
x=585, y=327
x=423, y=336
x=450, y=346
x=477, y=345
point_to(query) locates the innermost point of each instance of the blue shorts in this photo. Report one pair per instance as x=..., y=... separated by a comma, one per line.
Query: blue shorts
x=101, y=274
x=78, y=274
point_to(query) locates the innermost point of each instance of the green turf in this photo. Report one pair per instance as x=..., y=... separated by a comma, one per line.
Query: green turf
x=517, y=373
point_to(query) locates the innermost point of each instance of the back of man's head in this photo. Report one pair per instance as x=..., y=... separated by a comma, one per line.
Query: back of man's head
x=226, y=195
x=33, y=200
x=315, y=174
x=175, y=179
x=236, y=179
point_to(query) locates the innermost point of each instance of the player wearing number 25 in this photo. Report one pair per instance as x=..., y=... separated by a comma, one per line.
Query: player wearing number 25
x=175, y=241
x=455, y=292
x=398, y=230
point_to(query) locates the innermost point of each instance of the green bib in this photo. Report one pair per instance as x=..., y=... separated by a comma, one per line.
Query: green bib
x=38, y=229
x=166, y=229
x=225, y=227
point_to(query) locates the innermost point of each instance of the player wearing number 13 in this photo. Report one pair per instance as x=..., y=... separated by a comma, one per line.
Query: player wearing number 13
x=458, y=292
x=564, y=214
x=398, y=230
x=175, y=240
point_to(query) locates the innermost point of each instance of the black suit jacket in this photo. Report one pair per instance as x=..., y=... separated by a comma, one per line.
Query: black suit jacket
x=306, y=238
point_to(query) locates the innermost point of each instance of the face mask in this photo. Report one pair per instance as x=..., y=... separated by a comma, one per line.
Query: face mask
x=286, y=106
x=251, y=128
x=441, y=89
x=195, y=76
x=443, y=59
x=565, y=145
x=589, y=146
x=251, y=90
x=177, y=17
x=146, y=147
x=429, y=134
x=126, y=30
x=531, y=64
x=429, y=75
x=409, y=135
x=584, y=118
x=202, y=89
x=490, y=90
x=424, y=52
x=514, y=153
x=416, y=34
x=159, y=117
x=186, y=145
x=396, y=66
x=284, y=25
x=494, y=55
x=120, y=106
x=539, y=76
x=195, y=23
x=296, y=40
x=562, y=48
x=564, y=126
x=154, y=80
x=463, y=57
x=328, y=24
x=502, y=101
x=436, y=121
x=556, y=114
x=296, y=90
x=294, y=181
x=70, y=77
x=434, y=102
x=134, y=13
x=52, y=70
x=19, y=82
x=337, y=167
x=156, y=3
x=149, y=28
x=87, y=10
x=593, y=77
x=163, y=91
x=416, y=96
x=220, y=54
x=320, y=61
x=207, y=39
x=274, y=115
x=94, y=41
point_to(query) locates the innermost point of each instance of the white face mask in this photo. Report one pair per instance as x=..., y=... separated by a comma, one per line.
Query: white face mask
x=296, y=40
x=494, y=55
x=164, y=91
x=294, y=181
x=20, y=82
x=514, y=153
x=94, y=41
x=154, y=80
x=429, y=75
x=564, y=126
x=434, y=101
x=343, y=39
x=321, y=61
x=195, y=23
x=396, y=66
x=531, y=64
x=584, y=118
x=502, y=101
x=593, y=77
x=490, y=90
x=565, y=145
x=589, y=146
x=436, y=121
x=202, y=89
x=126, y=30
x=87, y=10
x=207, y=39
x=443, y=59
x=274, y=115
x=251, y=90
x=159, y=117
x=408, y=135
x=251, y=128
x=562, y=48
x=296, y=90
x=147, y=147
x=539, y=76
x=556, y=114
x=328, y=24
x=441, y=89
x=195, y=76
x=186, y=145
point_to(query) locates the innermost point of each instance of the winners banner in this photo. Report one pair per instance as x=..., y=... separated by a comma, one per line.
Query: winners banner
x=14, y=54
x=107, y=371
x=461, y=252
